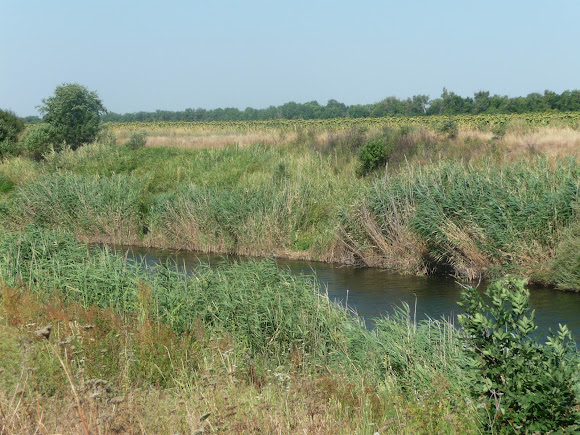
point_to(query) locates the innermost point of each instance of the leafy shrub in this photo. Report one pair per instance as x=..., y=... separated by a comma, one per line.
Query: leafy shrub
x=74, y=113
x=38, y=140
x=528, y=387
x=10, y=126
x=373, y=154
x=137, y=140
x=9, y=148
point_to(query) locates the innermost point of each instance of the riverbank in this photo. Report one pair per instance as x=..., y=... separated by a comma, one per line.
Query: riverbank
x=473, y=204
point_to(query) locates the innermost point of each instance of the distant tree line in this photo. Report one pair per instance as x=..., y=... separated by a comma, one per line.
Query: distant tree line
x=448, y=103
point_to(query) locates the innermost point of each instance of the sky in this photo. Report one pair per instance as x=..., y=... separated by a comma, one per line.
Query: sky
x=172, y=55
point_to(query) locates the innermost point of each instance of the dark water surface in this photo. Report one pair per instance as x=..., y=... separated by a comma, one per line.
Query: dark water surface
x=375, y=292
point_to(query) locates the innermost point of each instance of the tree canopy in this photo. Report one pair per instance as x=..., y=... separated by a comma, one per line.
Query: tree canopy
x=449, y=103
x=74, y=113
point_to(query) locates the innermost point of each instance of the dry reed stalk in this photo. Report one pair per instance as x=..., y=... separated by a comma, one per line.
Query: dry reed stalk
x=395, y=246
x=73, y=389
x=467, y=259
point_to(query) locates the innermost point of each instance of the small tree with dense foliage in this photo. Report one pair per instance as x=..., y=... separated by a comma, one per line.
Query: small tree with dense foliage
x=10, y=126
x=528, y=388
x=74, y=113
x=374, y=154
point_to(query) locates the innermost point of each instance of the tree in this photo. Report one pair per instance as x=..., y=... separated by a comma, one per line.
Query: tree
x=74, y=113
x=481, y=102
x=10, y=126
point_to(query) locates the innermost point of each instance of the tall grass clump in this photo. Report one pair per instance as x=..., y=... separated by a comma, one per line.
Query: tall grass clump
x=476, y=217
x=53, y=264
x=258, y=218
x=94, y=208
x=565, y=273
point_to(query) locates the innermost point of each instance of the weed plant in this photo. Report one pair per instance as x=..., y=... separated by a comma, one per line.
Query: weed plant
x=528, y=387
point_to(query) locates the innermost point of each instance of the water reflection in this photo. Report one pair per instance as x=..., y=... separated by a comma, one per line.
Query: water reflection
x=375, y=292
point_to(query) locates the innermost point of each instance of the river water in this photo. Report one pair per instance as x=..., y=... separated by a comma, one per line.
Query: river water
x=375, y=292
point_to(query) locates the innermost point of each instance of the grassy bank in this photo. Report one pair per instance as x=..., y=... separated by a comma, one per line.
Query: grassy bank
x=474, y=203
x=242, y=348
x=93, y=343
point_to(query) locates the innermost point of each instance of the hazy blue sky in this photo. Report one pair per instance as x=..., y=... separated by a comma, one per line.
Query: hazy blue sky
x=145, y=55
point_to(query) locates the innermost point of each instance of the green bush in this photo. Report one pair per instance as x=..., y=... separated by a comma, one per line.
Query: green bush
x=9, y=148
x=38, y=140
x=528, y=387
x=137, y=140
x=10, y=126
x=74, y=113
x=373, y=154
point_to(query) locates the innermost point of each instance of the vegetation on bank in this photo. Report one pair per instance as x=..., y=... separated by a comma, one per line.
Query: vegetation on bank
x=411, y=199
x=241, y=348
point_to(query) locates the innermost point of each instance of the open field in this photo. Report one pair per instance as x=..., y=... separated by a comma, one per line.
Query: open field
x=520, y=130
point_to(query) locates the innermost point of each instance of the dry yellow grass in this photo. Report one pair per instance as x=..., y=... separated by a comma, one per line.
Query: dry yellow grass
x=207, y=138
x=213, y=140
x=551, y=141
x=519, y=139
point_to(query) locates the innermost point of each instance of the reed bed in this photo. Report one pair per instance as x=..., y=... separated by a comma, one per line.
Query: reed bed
x=473, y=218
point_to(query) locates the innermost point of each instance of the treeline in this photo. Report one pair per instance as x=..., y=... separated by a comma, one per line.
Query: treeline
x=448, y=103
